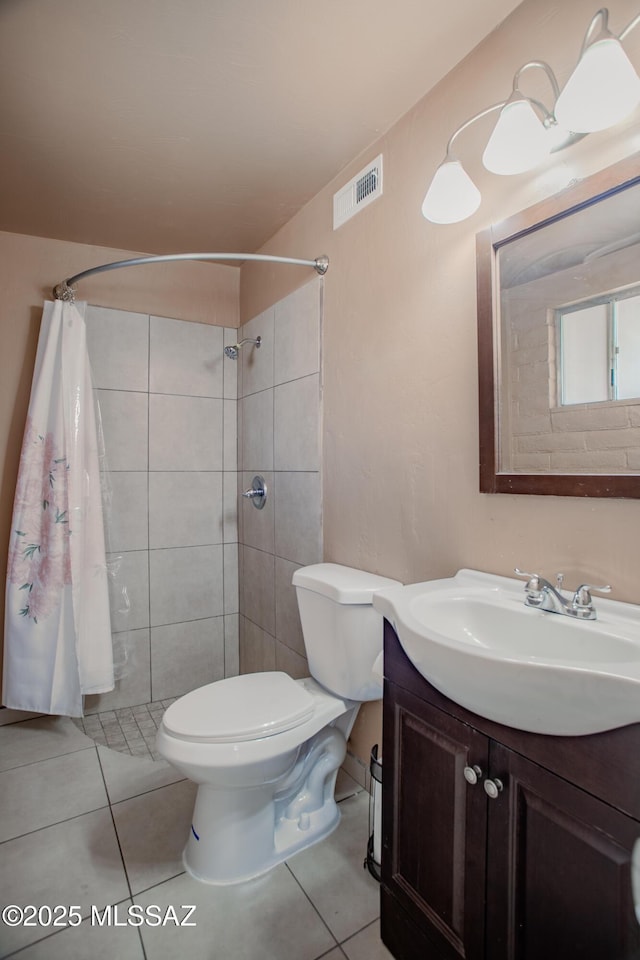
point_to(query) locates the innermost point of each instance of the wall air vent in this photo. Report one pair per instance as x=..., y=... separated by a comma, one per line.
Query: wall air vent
x=365, y=187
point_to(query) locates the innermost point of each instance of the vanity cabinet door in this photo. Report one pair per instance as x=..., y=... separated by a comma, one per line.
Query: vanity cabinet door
x=434, y=825
x=558, y=870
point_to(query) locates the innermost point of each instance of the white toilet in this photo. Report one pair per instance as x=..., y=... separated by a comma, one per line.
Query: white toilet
x=265, y=749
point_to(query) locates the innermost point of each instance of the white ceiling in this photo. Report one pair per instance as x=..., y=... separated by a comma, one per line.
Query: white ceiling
x=204, y=124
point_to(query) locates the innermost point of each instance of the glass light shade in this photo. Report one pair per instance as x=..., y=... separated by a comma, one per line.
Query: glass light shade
x=452, y=196
x=602, y=90
x=519, y=140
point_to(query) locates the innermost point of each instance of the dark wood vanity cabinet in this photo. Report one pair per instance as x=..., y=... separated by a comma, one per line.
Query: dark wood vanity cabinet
x=540, y=870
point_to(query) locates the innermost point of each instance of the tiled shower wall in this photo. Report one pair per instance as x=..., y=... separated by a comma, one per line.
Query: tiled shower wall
x=168, y=401
x=279, y=438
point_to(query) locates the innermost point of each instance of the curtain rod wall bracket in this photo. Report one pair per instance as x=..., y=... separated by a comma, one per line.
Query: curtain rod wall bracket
x=66, y=290
x=63, y=291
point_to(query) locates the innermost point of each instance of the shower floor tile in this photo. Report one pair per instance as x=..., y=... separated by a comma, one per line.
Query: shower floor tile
x=130, y=730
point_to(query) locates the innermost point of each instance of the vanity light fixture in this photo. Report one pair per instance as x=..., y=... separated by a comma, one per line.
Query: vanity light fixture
x=602, y=90
x=604, y=87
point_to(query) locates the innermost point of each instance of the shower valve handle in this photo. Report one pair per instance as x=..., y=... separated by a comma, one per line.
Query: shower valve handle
x=250, y=494
x=257, y=492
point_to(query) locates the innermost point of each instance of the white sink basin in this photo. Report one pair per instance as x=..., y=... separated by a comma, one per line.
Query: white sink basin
x=472, y=637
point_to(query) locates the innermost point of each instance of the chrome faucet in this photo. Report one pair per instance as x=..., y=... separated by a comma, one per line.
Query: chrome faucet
x=542, y=595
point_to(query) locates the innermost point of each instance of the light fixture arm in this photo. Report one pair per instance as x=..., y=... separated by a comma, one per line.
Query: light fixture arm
x=449, y=155
x=630, y=26
x=541, y=64
x=601, y=18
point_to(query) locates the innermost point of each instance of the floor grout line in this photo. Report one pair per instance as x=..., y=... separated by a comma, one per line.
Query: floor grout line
x=328, y=953
x=160, y=883
x=357, y=932
x=113, y=821
x=330, y=931
x=56, y=756
x=56, y=823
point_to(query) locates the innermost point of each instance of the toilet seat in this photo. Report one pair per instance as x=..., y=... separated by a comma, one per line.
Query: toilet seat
x=247, y=707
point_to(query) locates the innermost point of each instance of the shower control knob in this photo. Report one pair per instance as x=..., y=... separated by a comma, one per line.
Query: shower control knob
x=493, y=788
x=257, y=492
x=472, y=774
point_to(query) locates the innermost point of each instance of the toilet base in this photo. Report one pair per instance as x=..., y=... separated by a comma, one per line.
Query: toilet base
x=237, y=835
x=320, y=828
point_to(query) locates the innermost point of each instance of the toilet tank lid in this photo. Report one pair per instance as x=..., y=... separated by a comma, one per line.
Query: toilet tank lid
x=341, y=584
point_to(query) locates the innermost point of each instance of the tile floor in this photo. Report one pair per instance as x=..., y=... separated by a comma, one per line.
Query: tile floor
x=83, y=824
x=129, y=730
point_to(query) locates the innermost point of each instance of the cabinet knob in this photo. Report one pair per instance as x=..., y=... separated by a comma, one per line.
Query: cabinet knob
x=472, y=774
x=493, y=788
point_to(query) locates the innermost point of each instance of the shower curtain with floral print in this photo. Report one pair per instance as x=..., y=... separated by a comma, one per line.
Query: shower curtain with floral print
x=57, y=640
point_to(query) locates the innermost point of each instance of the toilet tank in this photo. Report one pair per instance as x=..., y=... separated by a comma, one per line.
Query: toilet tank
x=342, y=632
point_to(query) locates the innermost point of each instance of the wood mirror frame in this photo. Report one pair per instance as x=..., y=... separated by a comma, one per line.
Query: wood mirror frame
x=586, y=192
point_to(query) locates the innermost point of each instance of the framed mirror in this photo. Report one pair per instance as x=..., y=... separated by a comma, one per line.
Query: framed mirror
x=559, y=342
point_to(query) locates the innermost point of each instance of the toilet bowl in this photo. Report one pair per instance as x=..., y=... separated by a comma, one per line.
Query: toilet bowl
x=265, y=749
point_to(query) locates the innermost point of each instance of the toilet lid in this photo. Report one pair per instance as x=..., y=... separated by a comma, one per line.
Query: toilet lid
x=247, y=707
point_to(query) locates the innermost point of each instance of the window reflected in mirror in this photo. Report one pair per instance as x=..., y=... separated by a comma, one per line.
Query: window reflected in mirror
x=599, y=349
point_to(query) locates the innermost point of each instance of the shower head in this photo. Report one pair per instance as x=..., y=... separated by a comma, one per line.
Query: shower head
x=232, y=352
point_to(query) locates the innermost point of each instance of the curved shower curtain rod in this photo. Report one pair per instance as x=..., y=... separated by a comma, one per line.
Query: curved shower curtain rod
x=66, y=290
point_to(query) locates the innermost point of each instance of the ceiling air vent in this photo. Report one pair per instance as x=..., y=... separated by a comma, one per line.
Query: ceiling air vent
x=365, y=187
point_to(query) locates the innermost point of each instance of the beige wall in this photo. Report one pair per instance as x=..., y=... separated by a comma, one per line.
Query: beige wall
x=31, y=266
x=400, y=360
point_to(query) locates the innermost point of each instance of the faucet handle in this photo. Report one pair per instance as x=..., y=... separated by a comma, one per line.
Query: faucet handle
x=533, y=578
x=532, y=587
x=582, y=597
